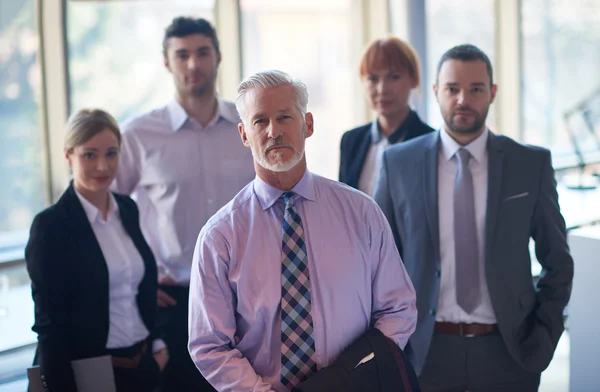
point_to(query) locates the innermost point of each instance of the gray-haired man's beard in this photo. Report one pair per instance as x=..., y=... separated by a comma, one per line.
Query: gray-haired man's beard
x=280, y=166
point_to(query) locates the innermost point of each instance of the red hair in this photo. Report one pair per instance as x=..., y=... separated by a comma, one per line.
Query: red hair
x=390, y=53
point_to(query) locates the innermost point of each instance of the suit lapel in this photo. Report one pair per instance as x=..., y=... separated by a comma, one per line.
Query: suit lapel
x=430, y=172
x=92, y=254
x=361, y=155
x=495, y=165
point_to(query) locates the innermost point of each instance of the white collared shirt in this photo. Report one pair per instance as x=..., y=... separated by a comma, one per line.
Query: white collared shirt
x=125, y=272
x=448, y=309
x=181, y=174
x=372, y=166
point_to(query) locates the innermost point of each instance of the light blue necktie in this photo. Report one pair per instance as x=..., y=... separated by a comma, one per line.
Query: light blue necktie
x=466, y=250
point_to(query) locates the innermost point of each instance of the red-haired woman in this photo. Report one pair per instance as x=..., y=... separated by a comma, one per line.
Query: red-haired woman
x=389, y=69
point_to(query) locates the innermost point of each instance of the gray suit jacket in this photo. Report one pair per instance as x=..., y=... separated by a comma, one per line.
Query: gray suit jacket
x=522, y=204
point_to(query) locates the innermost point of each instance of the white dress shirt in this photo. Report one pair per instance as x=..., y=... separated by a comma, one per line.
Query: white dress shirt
x=181, y=174
x=125, y=272
x=372, y=167
x=448, y=309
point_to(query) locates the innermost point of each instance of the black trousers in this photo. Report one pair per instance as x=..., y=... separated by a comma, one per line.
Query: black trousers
x=181, y=373
x=475, y=364
x=143, y=378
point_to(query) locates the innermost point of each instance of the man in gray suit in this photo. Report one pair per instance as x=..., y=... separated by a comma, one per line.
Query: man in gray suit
x=463, y=204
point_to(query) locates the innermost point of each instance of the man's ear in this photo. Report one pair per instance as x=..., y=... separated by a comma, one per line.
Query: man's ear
x=493, y=91
x=242, y=131
x=166, y=63
x=310, y=124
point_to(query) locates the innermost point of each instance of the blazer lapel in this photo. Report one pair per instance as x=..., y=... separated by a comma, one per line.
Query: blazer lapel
x=430, y=172
x=495, y=165
x=93, y=256
x=361, y=155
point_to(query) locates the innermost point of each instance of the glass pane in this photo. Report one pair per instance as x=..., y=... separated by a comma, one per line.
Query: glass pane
x=451, y=23
x=317, y=42
x=560, y=78
x=16, y=308
x=22, y=192
x=115, y=53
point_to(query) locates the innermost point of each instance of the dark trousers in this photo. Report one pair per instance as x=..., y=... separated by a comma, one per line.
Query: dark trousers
x=475, y=364
x=143, y=378
x=181, y=373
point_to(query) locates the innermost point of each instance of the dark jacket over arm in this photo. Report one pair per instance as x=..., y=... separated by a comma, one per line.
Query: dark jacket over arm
x=370, y=364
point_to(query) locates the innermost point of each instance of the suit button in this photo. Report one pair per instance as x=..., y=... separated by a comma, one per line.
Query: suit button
x=432, y=312
x=438, y=273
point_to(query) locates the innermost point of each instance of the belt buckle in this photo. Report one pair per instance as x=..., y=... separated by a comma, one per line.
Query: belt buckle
x=464, y=335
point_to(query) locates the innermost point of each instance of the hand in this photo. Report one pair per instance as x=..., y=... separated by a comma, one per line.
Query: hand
x=167, y=281
x=163, y=299
x=161, y=358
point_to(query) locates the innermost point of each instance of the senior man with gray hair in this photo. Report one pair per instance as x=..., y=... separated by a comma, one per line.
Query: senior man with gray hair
x=296, y=267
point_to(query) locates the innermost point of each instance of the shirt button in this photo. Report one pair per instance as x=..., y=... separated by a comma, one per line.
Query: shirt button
x=432, y=312
x=210, y=201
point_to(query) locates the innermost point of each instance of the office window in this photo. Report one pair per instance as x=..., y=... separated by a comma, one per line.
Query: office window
x=317, y=42
x=22, y=192
x=560, y=78
x=451, y=23
x=115, y=53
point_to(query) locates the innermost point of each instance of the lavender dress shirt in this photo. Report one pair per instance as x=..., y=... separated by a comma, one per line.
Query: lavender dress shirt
x=356, y=275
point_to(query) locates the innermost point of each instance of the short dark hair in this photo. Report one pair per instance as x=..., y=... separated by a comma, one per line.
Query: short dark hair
x=466, y=52
x=183, y=26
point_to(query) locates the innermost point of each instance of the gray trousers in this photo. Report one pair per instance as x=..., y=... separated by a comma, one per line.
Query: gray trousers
x=476, y=364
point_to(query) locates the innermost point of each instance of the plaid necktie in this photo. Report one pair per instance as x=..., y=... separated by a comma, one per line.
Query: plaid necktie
x=297, y=343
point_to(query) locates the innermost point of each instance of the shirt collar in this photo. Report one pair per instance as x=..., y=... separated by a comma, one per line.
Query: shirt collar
x=179, y=116
x=267, y=194
x=376, y=135
x=477, y=148
x=93, y=213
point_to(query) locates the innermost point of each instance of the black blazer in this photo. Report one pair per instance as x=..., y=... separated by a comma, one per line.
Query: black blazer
x=69, y=285
x=356, y=142
x=388, y=371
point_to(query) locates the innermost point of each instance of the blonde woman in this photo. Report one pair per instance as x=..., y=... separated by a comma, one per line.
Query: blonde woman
x=93, y=275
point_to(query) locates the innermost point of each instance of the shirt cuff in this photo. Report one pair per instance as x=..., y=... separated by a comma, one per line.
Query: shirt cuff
x=157, y=345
